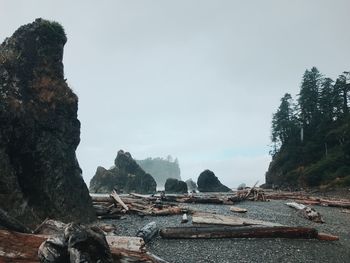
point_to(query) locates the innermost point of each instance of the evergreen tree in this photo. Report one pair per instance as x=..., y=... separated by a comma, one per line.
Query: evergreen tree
x=309, y=97
x=283, y=122
x=328, y=100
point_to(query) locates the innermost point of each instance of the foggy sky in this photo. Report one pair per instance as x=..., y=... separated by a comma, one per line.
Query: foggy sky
x=198, y=80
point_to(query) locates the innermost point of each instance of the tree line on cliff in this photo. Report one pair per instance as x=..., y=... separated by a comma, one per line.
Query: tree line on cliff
x=311, y=134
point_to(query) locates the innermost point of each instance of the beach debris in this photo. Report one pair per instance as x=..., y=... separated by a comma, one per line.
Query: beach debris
x=238, y=209
x=184, y=219
x=21, y=247
x=305, y=198
x=306, y=212
x=244, y=232
x=117, y=199
x=215, y=219
x=143, y=205
x=148, y=232
x=251, y=194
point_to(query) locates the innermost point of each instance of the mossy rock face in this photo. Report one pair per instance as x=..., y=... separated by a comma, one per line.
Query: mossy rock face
x=39, y=130
x=175, y=186
x=208, y=182
x=127, y=176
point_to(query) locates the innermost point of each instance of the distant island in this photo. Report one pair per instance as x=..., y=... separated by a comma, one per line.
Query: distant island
x=311, y=135
x=161, y=169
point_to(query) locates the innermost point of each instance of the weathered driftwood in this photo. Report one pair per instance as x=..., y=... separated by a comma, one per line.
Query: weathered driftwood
x=243, y=232
x=10, y=223
x=214, y=219
x=201, y=200
x=19, y=247
x=145, y=197
x=302, y=197
x=116, y=198
x=101, y=198
x=136, y=244
x=237, y=209
x=109, y=216
x=148, y=232
x=307, y=212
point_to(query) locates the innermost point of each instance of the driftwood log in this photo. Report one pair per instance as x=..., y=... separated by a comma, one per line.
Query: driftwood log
x=19, y=248
x=306, y=212
x=148, y=231
x=304, y=198
x=117, y=199
x=244, y=232
x=238, y=209
x=215, y=219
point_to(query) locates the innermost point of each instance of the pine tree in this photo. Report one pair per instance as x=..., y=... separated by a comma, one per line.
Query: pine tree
x=309, y=97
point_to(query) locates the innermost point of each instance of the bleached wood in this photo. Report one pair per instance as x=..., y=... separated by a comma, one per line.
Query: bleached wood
x=214, y=219
x=116, y=197
x=238, y=209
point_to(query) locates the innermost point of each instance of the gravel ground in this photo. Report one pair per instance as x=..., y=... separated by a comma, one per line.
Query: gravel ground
x=251, y=250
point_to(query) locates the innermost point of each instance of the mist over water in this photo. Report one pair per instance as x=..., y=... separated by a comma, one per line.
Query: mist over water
x=197, y=81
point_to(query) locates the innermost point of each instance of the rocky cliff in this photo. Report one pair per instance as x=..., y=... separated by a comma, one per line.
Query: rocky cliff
x=126, y=176
x=39, y=131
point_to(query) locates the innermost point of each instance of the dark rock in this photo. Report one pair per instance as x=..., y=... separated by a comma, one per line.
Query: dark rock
x=126, y=176
x=175, y=186
x=39, y=131
x=191, y=185
x=208, y=182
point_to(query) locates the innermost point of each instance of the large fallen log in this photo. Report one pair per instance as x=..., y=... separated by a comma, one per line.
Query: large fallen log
x=243, y=232
x=101, y=198
x=215, y=219
x=306, y=212
x=201, y=200
x=19, y=248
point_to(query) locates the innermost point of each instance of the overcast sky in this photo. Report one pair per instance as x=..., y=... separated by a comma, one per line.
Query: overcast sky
x=198, y=80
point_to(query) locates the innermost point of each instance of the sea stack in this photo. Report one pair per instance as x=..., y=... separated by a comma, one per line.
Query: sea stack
x=39, y=130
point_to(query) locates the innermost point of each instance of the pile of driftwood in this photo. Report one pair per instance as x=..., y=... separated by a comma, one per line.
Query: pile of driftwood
x=115, y=206
x=54, y=241
x=206, y=225
x=306, y=199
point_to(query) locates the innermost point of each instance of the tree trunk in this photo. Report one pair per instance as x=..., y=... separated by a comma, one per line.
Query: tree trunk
x=241, y=232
